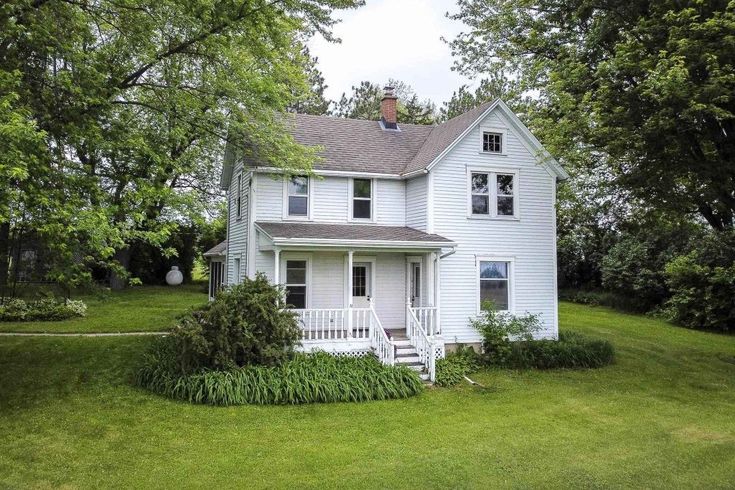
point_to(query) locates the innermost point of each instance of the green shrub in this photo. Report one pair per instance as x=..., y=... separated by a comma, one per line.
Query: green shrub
x=600, y=298
x=47, y=309
x=702, y=284
x=455, y=366
x=572, y=350
x=244, y=325
x=312, y=378
x=499, y=330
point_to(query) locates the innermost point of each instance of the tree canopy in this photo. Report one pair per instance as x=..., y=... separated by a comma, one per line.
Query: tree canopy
x=644, y=89
x=121, y=110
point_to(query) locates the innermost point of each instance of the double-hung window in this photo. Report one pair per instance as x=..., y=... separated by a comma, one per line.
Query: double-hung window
x=296, y=283
x=493, y=194
x=362, y=199
x=495, y=277
x=298, y=196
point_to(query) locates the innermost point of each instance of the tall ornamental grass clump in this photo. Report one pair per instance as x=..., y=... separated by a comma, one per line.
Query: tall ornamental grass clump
x=307, y=378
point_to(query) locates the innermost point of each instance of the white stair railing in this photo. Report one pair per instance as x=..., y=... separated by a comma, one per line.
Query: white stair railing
x=423, y=343
x=427, y=317
x=383, y=346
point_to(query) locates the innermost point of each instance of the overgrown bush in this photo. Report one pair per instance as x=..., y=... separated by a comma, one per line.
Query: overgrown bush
x=601, y=298
x=307, y=378
x=47, y=309
x=573, y=350
x=507, y=341
x=499, y=330
x=244, y=325
x=455, y=366
x=702, y=285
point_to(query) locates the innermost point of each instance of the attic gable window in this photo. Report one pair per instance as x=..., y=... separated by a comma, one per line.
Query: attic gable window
x=298, y=196
x=492, y=142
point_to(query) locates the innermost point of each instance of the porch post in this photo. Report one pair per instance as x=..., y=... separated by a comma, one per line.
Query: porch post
x=437, y=291
x=277, y=266
x=349, y=292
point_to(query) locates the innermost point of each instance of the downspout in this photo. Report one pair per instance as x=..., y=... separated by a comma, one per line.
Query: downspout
x=451, y=252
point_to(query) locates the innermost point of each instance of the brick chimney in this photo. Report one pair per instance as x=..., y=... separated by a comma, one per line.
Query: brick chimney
x=389, y=109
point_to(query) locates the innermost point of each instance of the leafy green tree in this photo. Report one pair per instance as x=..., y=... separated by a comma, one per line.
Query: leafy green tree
x=135, y=101
x=364, y=103
x=647, y=87
x=495, y=86
x=311, y=100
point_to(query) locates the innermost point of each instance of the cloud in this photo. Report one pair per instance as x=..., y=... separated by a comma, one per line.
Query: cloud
x=398, y=39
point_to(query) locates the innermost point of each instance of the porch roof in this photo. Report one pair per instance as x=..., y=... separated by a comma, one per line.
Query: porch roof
x=218, y=250
x=350, y=235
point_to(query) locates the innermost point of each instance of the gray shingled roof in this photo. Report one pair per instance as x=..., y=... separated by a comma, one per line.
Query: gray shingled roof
x=349, y=232
x=218, y=249
x=356, y=145
x=442, y=136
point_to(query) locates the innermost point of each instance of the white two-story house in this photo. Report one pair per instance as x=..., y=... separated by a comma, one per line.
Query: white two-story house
x=401, y=233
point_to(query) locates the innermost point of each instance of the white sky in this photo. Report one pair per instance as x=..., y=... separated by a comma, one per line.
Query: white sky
x=392, y=39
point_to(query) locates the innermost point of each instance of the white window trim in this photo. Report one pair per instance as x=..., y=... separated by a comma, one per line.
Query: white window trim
x=284, y=258
x=511, y=280
x=503, y=140
x=237, y=268
x=351, y=197
x=493, y=187
x=309, y=192
x=238, y=196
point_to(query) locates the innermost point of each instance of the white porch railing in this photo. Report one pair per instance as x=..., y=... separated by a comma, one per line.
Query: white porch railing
x=379, y=341
x=427, y=317
x=334, y=324
x=347, y=324
x=422, y=342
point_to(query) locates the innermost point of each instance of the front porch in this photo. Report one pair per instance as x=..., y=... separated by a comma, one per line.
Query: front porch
x=353, y=298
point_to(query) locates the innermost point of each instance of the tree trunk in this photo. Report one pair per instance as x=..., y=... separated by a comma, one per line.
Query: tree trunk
x=123, y=258
x=4, y=256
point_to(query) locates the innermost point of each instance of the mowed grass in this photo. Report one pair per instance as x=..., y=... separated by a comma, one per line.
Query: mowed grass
x=661, y=417
x=136, y=309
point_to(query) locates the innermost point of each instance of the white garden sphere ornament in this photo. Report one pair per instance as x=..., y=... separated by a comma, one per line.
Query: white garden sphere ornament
x=174, y=277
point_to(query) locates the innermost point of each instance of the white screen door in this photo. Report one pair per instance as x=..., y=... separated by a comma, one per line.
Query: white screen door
x=415, y=271
x=361, y=284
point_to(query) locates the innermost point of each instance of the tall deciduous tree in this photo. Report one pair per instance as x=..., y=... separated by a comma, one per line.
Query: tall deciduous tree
x=646, y=87
x=135, y=99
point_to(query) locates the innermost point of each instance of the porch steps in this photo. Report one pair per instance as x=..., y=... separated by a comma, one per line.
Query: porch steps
x=406, y=354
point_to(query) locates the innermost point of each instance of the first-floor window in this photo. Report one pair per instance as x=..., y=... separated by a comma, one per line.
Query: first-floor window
x=495, y=285
x=236, y=266
x=296, y=283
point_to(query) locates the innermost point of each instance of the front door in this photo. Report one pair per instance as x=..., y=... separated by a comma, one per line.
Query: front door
x=361, y=284
x=415, y=281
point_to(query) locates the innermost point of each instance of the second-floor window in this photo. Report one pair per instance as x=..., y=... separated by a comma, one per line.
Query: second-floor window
x=298, y=196
x=238, y=197
x=362, y=199
x=493, y=194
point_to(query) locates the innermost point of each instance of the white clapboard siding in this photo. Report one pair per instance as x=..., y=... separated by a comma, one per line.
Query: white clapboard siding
x=390, y=289
x=238, y=227
x=391, y=202
x=530, y=241
x=416, y=202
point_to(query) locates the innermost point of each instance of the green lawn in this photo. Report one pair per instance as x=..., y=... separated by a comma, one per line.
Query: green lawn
x=662, y=416
x=143, y=308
